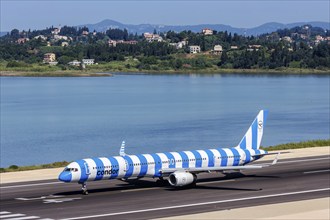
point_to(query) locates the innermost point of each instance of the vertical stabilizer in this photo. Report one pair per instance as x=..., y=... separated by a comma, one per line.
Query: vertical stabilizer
x=253, y=136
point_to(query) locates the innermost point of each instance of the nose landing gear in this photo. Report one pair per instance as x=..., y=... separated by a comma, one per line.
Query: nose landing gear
x=84, y=189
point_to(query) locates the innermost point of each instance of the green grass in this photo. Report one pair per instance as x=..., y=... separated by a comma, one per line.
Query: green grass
x=306, y=144
x=14, y=168
x=130, y=66
x=297, y=145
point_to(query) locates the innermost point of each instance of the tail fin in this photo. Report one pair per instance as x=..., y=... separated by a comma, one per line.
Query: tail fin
x=253, y=136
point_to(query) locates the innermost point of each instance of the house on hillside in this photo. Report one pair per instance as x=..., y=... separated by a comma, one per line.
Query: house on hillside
x=217, y=50
x=287, y=39
x=22, y=40
x=42, y=37
x=88, y=61
x=74, y=63
x=179, y=45
x=152, y=37
x=207, y=31
x=112, y=43
x=85, y=33
x=194, y=49
x=255, y=47
x=64, y=44
x=49, y=57
x=56, y=31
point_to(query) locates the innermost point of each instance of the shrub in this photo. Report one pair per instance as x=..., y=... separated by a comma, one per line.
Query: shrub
x=14, y=167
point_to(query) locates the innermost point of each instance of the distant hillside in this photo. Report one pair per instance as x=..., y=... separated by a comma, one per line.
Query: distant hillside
x=141, y=28
x=3, y=33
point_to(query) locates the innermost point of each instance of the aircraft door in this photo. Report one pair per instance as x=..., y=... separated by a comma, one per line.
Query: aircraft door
x=126, y=166
x=87, y=169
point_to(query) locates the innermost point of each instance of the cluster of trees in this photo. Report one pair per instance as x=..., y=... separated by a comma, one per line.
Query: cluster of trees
x=302, y=56
x=273, y=52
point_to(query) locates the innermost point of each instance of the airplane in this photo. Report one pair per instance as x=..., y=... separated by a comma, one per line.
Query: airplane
x=180, y=168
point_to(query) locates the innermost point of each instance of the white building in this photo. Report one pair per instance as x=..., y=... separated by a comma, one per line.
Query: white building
x=88, y=61
x=74, y=63
x=179, y=45
x=217, y=49
x=255, y=47
x=194, y=49
x=42, y=37
x=207, y=31
x=60, y=37
x=56, y=31
x=152, y=37
x=287, y=39
x=64, y=44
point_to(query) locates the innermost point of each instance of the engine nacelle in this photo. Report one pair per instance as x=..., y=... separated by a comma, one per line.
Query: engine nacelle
x=180, y=178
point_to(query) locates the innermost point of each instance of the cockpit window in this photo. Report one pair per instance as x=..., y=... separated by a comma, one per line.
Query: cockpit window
x=68, y=169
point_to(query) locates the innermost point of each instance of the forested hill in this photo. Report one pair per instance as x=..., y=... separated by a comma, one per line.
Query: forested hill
x=298, y=47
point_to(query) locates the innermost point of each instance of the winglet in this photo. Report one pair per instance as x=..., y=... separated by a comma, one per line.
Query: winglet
x=122, y=149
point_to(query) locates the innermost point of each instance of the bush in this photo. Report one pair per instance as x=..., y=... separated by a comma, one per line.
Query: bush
x=12, y=64
x=14, y=167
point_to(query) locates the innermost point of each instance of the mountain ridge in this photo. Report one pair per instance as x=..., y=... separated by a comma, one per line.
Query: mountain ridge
x=142, y=28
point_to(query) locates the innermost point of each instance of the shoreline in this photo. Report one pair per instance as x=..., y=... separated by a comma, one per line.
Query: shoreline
x=110, y=72
x=53, y=74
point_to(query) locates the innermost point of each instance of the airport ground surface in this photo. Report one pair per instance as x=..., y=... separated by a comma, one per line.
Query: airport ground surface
x=296, y=179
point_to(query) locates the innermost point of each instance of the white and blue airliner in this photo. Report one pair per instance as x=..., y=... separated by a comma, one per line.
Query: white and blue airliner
x=180, y=168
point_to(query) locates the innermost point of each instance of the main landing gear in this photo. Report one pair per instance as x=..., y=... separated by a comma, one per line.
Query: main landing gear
x=84, y=189
x=161, y=182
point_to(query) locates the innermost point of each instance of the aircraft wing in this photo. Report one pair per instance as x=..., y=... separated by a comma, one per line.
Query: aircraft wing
x=224, y=168
x=209, y=169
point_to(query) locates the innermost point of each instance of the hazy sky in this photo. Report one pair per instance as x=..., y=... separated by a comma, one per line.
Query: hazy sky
x=25, y=14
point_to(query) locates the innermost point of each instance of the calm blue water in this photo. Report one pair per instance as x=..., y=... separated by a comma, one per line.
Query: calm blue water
x=54, y=119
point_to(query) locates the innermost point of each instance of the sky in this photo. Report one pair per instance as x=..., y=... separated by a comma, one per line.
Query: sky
x=26, y=14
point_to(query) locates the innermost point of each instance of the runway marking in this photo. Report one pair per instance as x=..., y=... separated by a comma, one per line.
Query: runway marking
x=198, y=204
x=4, y=212
x=219, y=181
x=18, y=216
x=34, y=184
x=140, y=189
x=11, y=215
x=46, y=201
x=25, y=217
x=317, y=171
x=50, y=199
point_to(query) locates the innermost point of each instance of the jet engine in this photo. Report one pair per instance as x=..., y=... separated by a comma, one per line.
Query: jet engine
x=180, y=178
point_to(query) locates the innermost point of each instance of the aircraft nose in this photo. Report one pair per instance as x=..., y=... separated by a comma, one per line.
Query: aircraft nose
x=65, y=177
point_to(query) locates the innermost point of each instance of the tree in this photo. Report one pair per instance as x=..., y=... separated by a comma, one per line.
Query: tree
x=224, y=58
x=64, y=59
x=14, y=34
